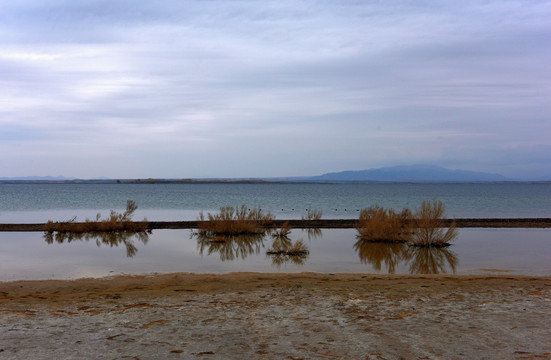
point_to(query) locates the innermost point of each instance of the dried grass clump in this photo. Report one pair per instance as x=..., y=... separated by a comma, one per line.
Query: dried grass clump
x=378, y=224
x=429, y=227
x=234, y=221
x=284, y=251
x=116, y=222
x=312, y=214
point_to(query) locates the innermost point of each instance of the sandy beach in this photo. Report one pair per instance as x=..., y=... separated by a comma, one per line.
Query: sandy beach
x=277, y=316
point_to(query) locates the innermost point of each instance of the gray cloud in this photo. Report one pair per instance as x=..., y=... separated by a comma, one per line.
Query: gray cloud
x=240, y=88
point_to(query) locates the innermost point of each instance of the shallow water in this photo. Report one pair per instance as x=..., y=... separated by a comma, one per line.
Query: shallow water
x=475, y=251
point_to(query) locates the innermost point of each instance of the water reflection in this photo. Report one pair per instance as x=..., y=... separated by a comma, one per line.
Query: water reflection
x=431, y=260
x=284, y=251
x=375, y=253
x=113, y=239
x=421, y=260
x=313, y=233
x=230, y=247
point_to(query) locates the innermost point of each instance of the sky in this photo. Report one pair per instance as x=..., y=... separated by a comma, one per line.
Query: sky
x=218, y=88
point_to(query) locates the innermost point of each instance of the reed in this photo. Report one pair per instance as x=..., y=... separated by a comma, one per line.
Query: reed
x=378, y=224
x=298, y=248
x=235, y=221
x=312, y=214
x=429, y=227
x=116, y=222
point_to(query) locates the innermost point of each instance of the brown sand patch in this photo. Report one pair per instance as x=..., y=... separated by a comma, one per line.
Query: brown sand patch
x=272, y=316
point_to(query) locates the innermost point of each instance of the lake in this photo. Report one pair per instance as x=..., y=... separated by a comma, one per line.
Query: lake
x=475, y=251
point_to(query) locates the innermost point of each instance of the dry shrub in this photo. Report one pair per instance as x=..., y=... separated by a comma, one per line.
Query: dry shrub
x=235, y=221
x=284, y=250
x=312, y=214
x=378, y=224
x=116, y=222
x=288, y=248
x=429, y=226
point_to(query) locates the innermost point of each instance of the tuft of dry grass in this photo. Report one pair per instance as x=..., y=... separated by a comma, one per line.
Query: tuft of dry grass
x=312, y=214
x=284, y=250
x=287, y=248
x=234, y=221
x=116, y=222
x=429, y=228
x=378, y=224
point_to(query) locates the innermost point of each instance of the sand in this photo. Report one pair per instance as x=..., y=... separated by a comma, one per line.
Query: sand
x=277, y=316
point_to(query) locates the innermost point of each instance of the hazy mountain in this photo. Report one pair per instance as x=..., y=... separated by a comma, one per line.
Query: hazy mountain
x=414, y=173
x=35, y=178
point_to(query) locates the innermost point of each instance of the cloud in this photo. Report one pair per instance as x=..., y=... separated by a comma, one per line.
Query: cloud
x=247, y=88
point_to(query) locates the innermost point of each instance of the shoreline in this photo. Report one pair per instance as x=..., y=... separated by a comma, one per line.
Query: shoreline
x=273, y=316
x=321, y=224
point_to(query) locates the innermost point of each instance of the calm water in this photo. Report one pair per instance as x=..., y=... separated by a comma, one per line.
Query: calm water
x=42, y=202
x=475, y=251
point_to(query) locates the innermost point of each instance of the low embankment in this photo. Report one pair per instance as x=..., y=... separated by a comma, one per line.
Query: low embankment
x=326, y=224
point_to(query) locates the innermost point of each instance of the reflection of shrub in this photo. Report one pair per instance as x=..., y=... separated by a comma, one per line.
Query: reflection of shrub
x=230, y=247
x=283, y=231
x=113, y=238
x=115, y=222
x=378, y=224
x=288, y=248
x=431, y=260
x=429, y=226
x=312, y=214
x=234, y=221
x=284, y=250
x=376, y=253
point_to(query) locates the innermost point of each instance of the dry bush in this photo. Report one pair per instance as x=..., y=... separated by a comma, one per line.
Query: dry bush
x=312, y=214
x=116, y=222
x=235, y=221
x=428, y=222
x=287, y=248
x=284, y=251
x=378, y=224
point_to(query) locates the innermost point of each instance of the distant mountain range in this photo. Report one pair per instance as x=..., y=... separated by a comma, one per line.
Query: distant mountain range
x=411, y=173
x=405, y=173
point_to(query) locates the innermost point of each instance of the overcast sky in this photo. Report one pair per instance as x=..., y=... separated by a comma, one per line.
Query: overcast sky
x=178, y=89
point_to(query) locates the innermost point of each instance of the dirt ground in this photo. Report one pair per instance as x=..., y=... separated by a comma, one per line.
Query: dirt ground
x=277, y=316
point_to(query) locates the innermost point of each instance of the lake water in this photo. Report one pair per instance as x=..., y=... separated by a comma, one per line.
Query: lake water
x=475, y=251
x=59, y=202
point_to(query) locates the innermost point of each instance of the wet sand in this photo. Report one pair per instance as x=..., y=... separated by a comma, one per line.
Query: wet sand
x=277, y=316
